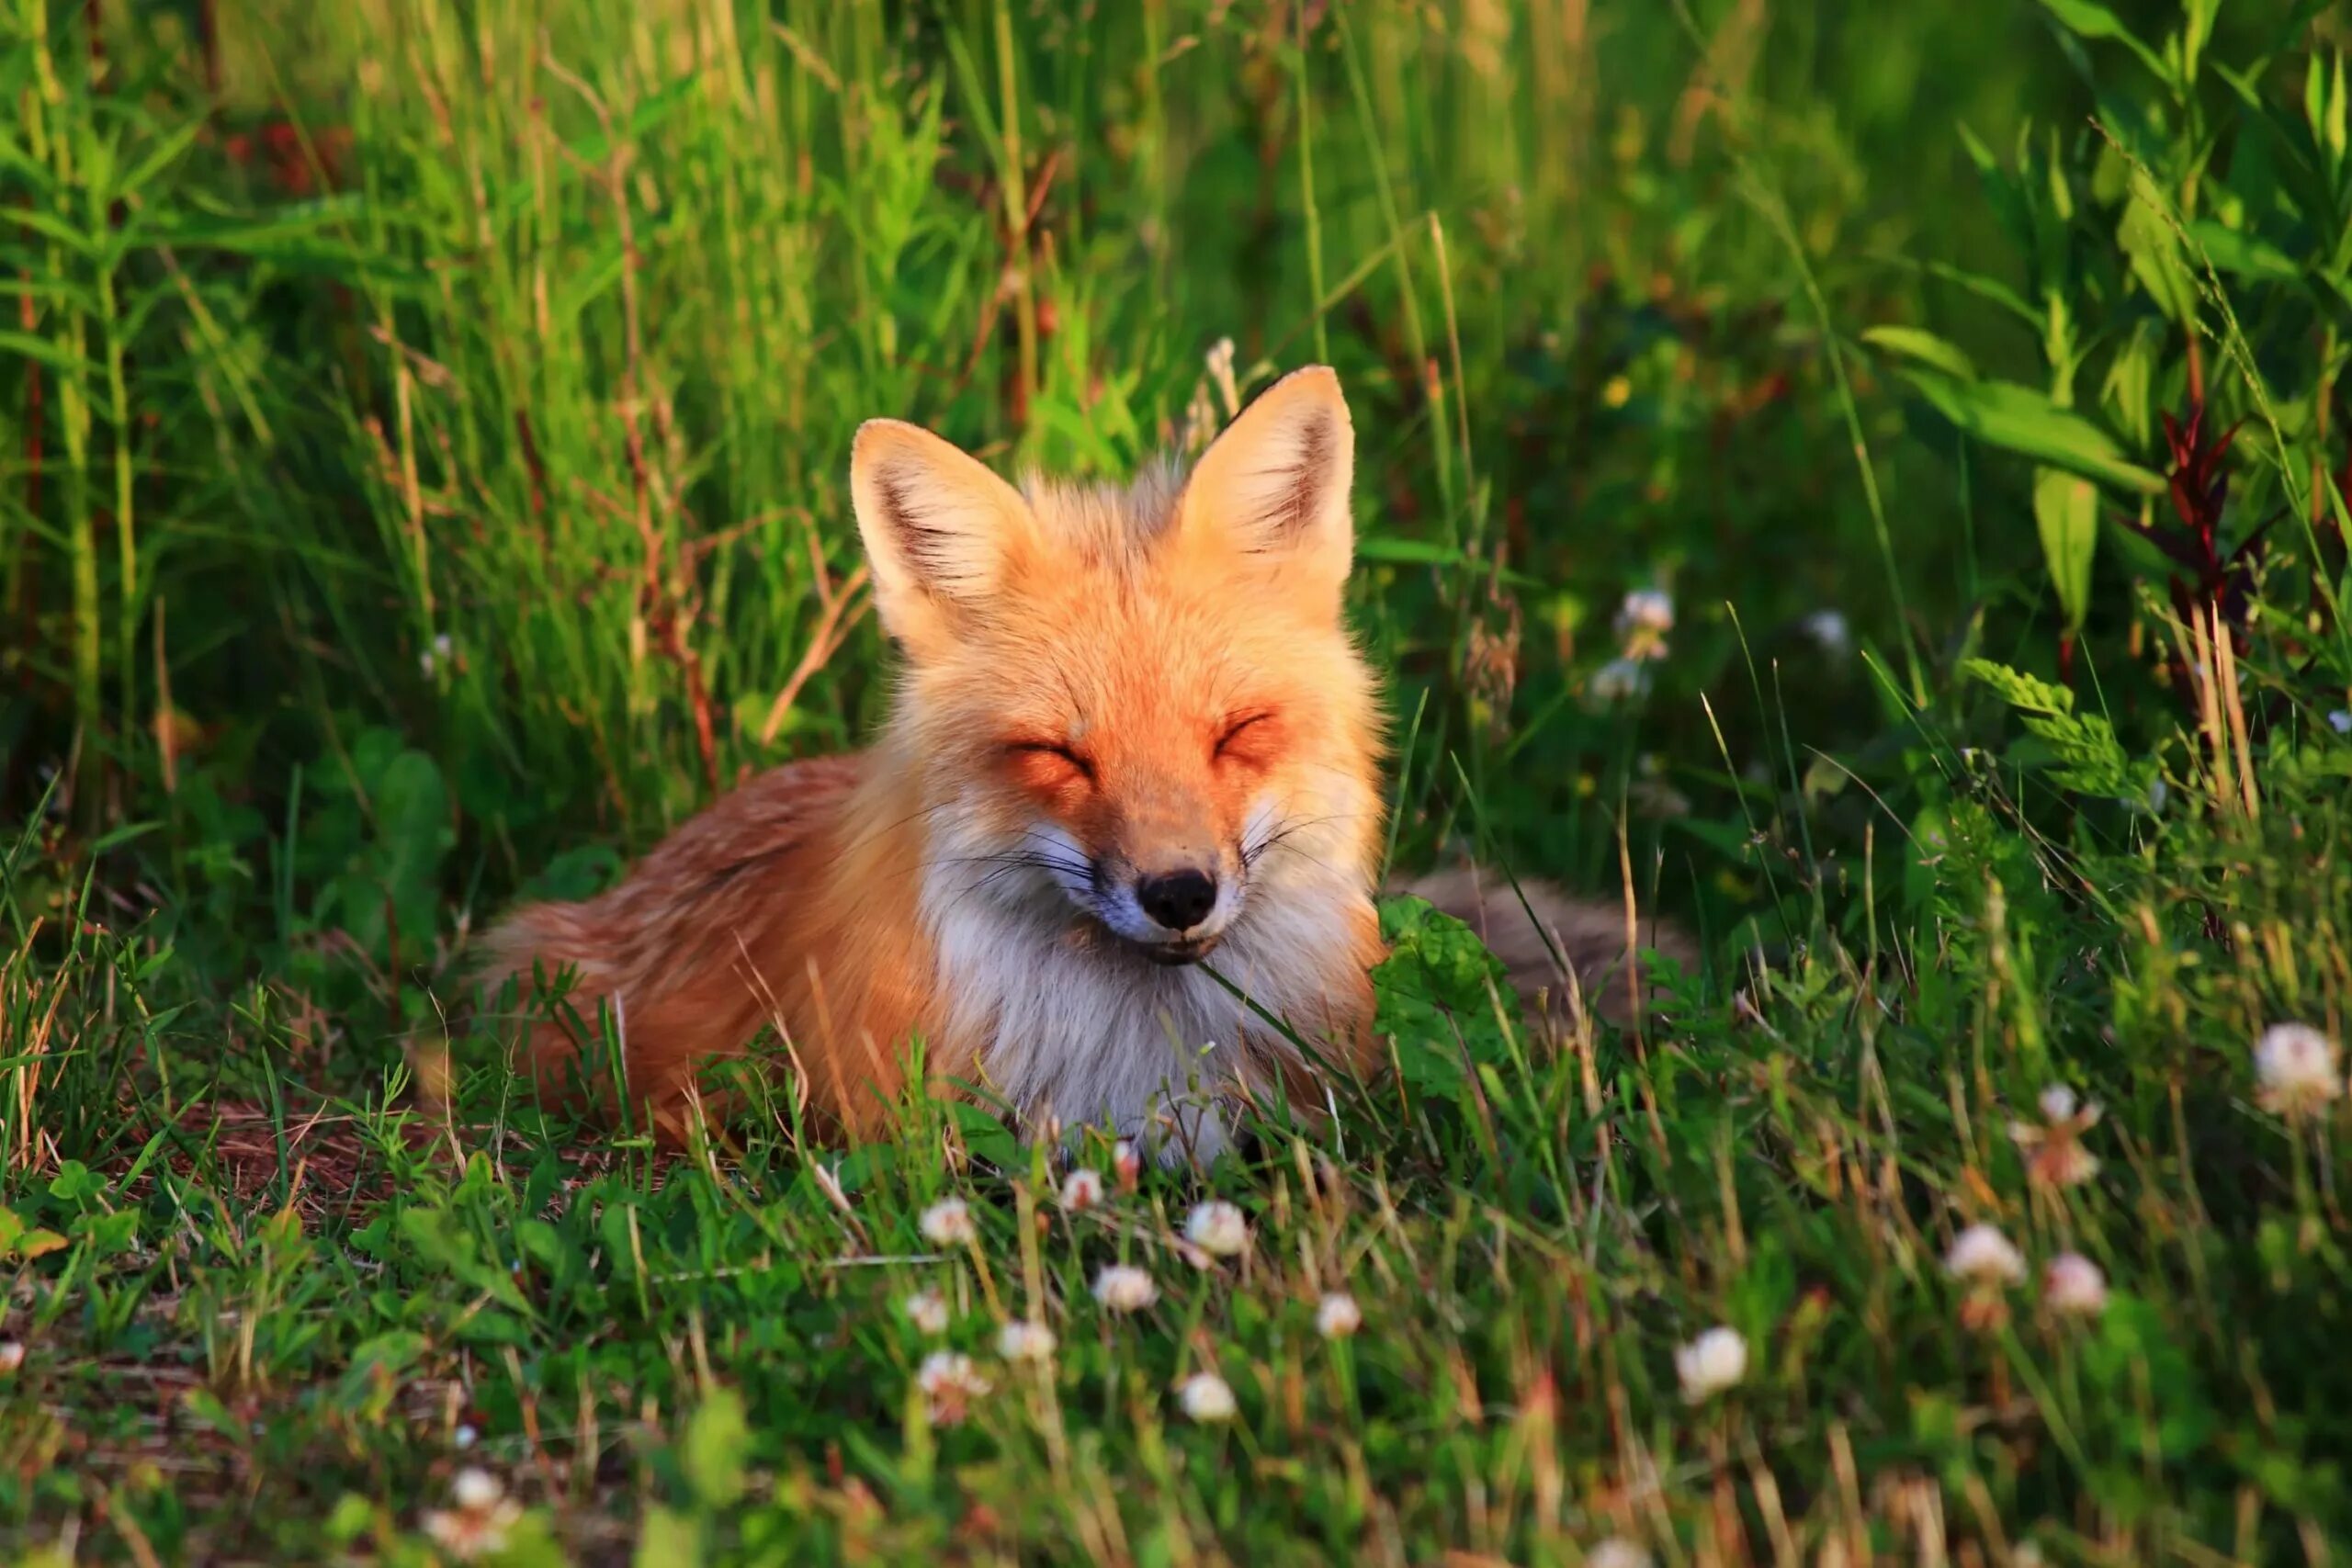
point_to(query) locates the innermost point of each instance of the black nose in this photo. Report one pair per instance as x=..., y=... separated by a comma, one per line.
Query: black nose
x=1176, y=899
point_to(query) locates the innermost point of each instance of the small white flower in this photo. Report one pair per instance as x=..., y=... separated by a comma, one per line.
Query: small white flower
x=2055, y=1153
x=1126, y=1164
x=464, y=1436
x=1619, y=681
x=1081, y=1189
x=2295, y=1065
x=435, y=656
x=1646, y=610
x=1205, y=1397
x=2340, y=721
x=1339, y=1315
x=1981, y=1254
x=927, y=1310
x=950, y=1382
x=1828, y=629
x=1024, y=1342
x=477, y=1527
x=12, y=1355
x=1714, y=1362
x=1123, y=1288
x=475, y=1489
x=948, y=1222
x=2073, y=1285
x=1217, y=1227
x=1616, y=1553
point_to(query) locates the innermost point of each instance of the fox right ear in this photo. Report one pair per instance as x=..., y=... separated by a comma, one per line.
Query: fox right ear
x=942, y=534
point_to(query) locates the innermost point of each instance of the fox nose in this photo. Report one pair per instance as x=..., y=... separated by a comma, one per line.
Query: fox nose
x=1178, y=900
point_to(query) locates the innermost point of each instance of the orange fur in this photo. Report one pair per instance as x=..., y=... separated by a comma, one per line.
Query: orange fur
x=1131, y=733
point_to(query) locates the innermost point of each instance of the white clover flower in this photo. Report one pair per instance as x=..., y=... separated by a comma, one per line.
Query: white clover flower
x=2055, y=1152
x=12, y=1355
x=948, y=1222
x=1714, y=1362
x=1981, y=1254
x=477, y=1526
x=1646, y=610
x=1122, y=1287
x=1338, y=1317
x=927, y=1310
x=1830, y=632
x=1025, y=1342
x=1205, y=1396
x=2073, y=1285
x=2296, y=1068
x=1218, y=1228
x=1081, y=1189
x=1126, y=1164
x=950, y=1382
x=1619, y=681
x=1616, y=1553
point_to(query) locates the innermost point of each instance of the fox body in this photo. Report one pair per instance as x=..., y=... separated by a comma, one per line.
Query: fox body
x=1126, y=808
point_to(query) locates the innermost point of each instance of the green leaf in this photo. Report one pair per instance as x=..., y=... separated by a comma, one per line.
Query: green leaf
x=1925, y=347
x=2248, y=255
x=2086, y=753
x=2147, y=236
x=42, y=352
x=2065, y=510
x=1990, y=288
x=2018, y=419
x=2086, y=19
x=39, y=1244
x=716, y=1444
x=156, y=160
x=670, y=1539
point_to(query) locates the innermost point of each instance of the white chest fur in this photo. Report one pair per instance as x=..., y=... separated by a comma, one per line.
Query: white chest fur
x=1065, y=1021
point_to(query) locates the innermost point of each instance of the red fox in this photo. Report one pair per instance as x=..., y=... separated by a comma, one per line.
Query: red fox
x=1131, y=769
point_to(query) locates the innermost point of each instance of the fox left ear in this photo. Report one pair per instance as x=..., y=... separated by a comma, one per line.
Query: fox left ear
x=1273, y=487
x=944, y=535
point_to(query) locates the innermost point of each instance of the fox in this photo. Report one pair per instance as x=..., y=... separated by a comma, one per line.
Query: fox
x=1114, y=852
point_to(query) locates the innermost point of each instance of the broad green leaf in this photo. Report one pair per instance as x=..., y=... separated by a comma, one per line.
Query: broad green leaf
x=1926, y=348
x=39, y=1244
x=2248, y=255
x=2131, y=383
x=2086, y=18
x=2147, y=236
x=718, y=1440
x=670, y=1539
x=2066, y=509
x=2018, y=419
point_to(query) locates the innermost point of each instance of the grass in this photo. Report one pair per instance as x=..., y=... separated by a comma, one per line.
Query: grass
x=424, y=427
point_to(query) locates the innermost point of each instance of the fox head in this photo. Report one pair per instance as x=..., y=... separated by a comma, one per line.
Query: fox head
x=1132, y=710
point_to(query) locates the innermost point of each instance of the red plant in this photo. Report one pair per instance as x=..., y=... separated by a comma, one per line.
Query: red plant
x=2200, y=490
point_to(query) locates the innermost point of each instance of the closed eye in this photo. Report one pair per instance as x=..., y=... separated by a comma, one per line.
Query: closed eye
x=1238, y=727
x=1054, y=748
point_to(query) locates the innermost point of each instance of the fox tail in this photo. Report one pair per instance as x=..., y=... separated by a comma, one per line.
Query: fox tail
x=1559, y=950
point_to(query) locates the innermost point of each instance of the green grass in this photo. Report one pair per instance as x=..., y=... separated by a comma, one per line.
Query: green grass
x=423, y=431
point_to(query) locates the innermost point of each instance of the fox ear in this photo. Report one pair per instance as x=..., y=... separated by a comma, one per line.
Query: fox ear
x=942, y=533
x=1273, y=487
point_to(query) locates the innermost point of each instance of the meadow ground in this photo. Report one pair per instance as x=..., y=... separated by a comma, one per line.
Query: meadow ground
x=1868, y=481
